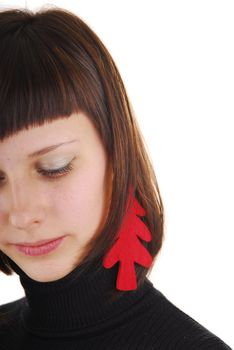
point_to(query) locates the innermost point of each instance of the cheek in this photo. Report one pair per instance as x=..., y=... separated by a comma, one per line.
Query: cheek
x=79, y=202
x=1, y=219
x=1, y=226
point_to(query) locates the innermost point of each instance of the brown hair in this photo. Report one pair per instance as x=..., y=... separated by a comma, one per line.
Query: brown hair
x=51, y=65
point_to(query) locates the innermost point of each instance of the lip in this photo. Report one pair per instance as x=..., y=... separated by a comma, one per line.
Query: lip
x=39, y=248
x=36, y=244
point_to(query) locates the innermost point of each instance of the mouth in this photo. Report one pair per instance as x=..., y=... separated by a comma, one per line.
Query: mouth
x=39, y=248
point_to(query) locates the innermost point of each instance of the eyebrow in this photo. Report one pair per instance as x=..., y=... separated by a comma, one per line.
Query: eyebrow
x=49, y=149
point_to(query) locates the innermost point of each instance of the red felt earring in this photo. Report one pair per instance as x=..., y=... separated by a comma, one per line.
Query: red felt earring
x=128, y=249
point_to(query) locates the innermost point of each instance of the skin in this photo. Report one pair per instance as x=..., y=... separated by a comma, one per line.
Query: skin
x=35, y=206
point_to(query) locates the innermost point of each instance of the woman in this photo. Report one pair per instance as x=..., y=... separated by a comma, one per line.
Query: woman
x=81, y=216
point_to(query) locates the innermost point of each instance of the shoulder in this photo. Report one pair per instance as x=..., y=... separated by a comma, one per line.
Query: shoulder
x=10, y=325
x=12, y=305
x=169, y=327
x=9, y=312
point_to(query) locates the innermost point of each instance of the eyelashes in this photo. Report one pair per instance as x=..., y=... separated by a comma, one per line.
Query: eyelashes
x=54, y=173
x=50, y=173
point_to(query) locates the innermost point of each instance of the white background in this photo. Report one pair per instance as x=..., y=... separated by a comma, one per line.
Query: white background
x=177, y=61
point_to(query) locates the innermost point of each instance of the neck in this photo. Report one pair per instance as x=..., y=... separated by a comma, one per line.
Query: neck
x=85, y=297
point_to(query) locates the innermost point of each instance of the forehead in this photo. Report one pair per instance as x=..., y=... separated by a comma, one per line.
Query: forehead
x=38, y=136
x=62, y=130
x=47, y=129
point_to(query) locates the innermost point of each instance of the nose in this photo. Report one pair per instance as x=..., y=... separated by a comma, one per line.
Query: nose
x=23, y=219
x=24, y=213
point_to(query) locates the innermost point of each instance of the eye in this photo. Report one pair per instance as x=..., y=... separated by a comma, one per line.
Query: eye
x=1, y=179
x=56, y=172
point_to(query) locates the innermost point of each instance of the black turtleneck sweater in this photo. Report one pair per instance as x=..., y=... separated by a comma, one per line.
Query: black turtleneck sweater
x=78, y=312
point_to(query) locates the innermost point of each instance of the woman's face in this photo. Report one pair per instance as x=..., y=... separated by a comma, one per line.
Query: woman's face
x=36, y=205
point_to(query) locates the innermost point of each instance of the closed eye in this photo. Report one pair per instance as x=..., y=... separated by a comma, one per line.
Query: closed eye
x=50, y=173
x=53, y=173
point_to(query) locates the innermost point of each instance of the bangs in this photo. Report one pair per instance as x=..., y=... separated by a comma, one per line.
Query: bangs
x=44, y=75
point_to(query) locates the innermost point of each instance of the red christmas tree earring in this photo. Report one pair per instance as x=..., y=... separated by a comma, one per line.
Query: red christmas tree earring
x=128, y=250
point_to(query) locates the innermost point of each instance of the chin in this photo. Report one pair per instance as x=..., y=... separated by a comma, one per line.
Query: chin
x=49, y=272
x=45, y=277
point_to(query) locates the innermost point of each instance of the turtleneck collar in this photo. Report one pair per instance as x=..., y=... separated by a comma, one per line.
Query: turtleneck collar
x=79, y=302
